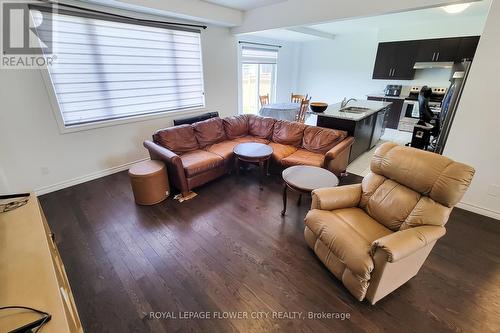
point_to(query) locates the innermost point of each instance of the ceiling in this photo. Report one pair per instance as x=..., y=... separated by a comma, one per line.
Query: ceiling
x=431, y=17
x=244, y=4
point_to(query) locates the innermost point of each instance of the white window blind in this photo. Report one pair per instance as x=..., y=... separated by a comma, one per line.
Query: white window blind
x=256, y=55
x=107, y=70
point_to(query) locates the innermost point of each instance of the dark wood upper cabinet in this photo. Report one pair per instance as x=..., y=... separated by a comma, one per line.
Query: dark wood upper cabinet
x=467, y=47
x=384, y=60
x=433, y=50
x=404, y=60
x=395, y=60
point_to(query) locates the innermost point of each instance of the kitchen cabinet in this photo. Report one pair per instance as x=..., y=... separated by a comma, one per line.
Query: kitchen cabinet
x=467, y=47
x=442, y=49
x=366, y=132
x=394, y=111
x=395, y=60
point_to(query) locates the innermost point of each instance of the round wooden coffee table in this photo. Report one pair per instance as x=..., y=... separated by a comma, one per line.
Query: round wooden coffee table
x=253, y=152
x=305, y=179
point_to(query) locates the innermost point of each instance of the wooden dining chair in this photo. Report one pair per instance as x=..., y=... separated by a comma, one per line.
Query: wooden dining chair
x=264, y=100
x=304, y=106
x=296, y=98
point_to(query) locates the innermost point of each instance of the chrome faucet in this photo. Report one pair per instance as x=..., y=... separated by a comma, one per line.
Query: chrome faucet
x=346, y=101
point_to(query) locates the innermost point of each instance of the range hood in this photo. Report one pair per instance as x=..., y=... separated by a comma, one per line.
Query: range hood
x=432, y=64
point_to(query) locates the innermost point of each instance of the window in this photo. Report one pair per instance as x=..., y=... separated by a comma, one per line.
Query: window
x=258, y=75
x=110, y=69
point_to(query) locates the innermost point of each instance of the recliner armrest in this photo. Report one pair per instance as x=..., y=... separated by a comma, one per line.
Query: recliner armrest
x=330, y=198
x=405, y=242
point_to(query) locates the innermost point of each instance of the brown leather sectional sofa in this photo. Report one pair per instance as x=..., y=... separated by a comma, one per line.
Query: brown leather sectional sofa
x=198, y=153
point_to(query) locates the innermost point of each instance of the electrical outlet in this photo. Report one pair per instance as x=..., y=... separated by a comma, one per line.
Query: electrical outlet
x=44, y=170
x=494, y=190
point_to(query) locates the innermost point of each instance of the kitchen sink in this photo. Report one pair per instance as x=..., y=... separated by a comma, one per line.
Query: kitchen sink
x=354, y=109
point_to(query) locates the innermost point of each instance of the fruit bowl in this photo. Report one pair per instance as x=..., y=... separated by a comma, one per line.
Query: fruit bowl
x=318, y=106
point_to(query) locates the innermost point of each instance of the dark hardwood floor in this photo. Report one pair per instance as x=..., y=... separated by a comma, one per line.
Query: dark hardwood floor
x=229, y=249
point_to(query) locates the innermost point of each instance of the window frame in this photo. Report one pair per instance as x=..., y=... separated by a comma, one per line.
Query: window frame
x=273, y=97
x=56, y=109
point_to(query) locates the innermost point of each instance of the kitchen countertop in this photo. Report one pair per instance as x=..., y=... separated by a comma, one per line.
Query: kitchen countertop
x=384, y=96
x=333, y=110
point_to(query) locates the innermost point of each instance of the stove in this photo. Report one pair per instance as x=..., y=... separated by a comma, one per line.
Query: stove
x=437, y=94
x=410, y=113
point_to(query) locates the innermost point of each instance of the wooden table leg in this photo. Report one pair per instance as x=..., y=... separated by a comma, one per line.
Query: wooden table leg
x=284, y=200
x=262, y=174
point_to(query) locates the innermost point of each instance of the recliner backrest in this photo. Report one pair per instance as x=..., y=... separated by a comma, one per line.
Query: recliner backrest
x=408, y=187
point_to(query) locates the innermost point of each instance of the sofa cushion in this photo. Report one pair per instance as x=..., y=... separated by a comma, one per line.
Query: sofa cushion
x=288, y=132
x=304, y=157
x=261, y=127
x=209, y=131
x=236, y=126
x=320, y=140
x=224, y=149
x=348, y=234
x=179, y=139
x=281, y=151
x=198, y=161
x=250, y=138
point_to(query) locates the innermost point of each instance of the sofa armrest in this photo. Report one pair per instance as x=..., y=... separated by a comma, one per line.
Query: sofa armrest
x=172, y=161
x=330, y=198
x=339, y=148
x=405, y=242
x=159, y=152
x=337, y=158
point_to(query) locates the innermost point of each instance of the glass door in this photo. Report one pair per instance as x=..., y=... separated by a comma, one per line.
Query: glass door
x=258, y=77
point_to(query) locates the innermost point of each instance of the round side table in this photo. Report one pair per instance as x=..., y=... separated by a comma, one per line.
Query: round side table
x=149, y=182
x=253, y=152
x=305, y=179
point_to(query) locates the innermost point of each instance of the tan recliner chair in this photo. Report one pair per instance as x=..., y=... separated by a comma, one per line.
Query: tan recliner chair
x=375, y=236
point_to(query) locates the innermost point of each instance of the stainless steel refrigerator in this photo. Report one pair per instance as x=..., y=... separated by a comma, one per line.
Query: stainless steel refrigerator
x=450, y=102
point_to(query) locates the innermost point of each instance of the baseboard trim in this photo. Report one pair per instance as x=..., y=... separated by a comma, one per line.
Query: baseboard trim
x=479, y=210
x=82, y=179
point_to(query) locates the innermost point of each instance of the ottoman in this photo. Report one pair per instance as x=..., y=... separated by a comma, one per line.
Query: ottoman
x=149, y=182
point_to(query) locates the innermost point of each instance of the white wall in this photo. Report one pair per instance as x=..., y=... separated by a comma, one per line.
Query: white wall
x=474, y=135
x=34, y=155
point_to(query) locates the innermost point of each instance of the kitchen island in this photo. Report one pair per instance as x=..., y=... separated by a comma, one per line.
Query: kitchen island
x=365, y=120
